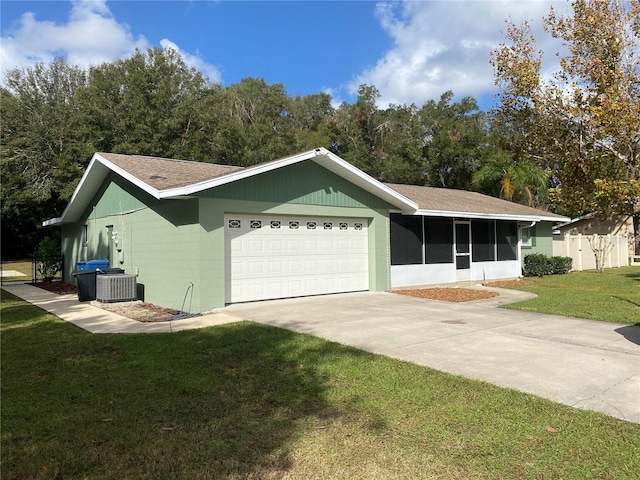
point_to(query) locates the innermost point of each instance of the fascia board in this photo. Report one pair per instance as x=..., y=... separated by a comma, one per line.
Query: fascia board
x=364, y=181
x=486, y=216
x=127, y=176
x=78, y=193
x=95, y=174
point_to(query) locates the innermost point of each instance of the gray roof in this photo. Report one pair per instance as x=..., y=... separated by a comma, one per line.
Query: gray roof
x=168, y=178
x=165, y=173
x=450, y=201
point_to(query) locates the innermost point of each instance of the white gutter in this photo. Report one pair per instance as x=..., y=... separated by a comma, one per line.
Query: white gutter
x=486, y=216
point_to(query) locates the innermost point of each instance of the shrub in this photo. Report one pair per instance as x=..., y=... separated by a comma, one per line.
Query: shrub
x=561, y=265
x=538, y=264
x=48, y=259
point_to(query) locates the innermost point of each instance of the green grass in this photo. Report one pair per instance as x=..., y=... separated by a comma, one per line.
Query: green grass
x=612, y=296
x=244, y=401
x=23, y=266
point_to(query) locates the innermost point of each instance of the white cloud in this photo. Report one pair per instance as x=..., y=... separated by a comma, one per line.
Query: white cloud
x=445, y=45
x=195, y=61
x=90, y=36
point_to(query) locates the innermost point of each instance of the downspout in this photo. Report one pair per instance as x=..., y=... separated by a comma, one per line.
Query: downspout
x=520, y=259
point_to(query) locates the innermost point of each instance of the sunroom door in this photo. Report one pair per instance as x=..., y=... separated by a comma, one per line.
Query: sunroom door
x=463, y=251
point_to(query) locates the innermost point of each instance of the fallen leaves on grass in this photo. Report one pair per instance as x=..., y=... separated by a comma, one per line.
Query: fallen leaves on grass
x=508, y=283
x=449, y=294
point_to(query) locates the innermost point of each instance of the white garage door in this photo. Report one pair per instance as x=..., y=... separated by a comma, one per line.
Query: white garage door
x=283, y=256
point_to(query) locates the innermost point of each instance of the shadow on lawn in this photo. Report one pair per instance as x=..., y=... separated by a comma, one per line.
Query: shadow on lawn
x=213, y=403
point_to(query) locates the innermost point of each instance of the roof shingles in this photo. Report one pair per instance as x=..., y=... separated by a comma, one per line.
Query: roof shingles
x=164, y=173
x=449, y=200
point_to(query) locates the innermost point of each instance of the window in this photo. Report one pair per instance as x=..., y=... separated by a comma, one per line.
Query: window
x=438, y=240
x=507, y=239
x=483, y=240
x=85, y=233
x=529, y=237
x=406, y=239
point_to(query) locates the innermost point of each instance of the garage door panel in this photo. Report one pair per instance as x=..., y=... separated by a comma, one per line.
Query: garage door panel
x=278, y=256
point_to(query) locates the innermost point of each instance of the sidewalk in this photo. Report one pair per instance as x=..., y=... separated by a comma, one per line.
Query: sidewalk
x=97, y=320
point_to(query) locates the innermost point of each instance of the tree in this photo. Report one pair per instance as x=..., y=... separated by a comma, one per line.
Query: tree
x=44, y=149
x=516, y=181
x=146, y=104
x=455, y=141
x=583, y=124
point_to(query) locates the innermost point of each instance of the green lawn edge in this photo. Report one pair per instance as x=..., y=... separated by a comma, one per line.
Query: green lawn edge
x=612, y=296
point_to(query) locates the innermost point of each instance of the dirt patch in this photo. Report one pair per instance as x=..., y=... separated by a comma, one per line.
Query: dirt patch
x=449, y=294
x=140, y=311
x=60, y=288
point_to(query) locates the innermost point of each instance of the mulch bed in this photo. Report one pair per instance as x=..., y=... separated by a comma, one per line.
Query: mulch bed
x=60, y=288
x=140, y=311
x=449, y=294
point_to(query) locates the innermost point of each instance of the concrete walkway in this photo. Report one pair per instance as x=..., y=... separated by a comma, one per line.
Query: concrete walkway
x=581, y=363
x=96, y=320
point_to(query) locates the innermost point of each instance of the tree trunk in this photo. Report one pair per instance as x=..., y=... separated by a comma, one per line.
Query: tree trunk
x=601, y=245
x=636, y=233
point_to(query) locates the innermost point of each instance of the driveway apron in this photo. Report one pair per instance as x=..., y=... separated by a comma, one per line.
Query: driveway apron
x=582, y=363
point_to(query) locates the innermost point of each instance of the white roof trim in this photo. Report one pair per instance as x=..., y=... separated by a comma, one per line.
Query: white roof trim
x=486, y=216
x=363, y=180
x=99, y=167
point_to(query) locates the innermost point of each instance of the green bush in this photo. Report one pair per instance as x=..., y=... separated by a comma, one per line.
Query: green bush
x=538, y=265
x=48, y=259
x=561, y=265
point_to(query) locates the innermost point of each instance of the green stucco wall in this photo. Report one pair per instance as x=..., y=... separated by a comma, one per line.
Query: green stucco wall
x=177, y=246
x=543, y=240
x=154, y=240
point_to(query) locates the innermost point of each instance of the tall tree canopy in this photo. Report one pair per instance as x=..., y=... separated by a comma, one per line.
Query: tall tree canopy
x=583, y=123
x=56, y=116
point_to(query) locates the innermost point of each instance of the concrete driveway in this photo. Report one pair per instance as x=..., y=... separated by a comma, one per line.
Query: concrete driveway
x=581, y=363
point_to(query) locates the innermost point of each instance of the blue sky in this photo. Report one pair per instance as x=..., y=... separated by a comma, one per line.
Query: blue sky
x=412, y=51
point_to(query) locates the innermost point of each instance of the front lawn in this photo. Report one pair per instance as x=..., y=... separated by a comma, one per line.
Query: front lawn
x=248, y=401
x=612, y=296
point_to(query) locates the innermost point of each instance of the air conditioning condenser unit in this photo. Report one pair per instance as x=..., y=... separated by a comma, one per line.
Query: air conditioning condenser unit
x=116, y=288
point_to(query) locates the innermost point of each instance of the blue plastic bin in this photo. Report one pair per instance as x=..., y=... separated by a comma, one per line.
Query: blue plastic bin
x=81, y=266
x=97, y=264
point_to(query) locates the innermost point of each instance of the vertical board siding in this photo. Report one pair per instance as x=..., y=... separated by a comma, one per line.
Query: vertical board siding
x=115, y=196
x=301, y=183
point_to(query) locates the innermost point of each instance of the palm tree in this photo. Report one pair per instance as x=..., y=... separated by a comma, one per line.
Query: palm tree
x=516, y=181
